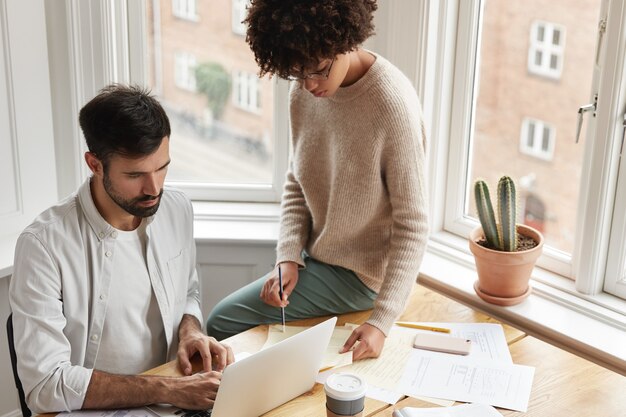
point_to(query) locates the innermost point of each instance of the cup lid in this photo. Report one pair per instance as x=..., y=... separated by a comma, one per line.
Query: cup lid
x=345, y=386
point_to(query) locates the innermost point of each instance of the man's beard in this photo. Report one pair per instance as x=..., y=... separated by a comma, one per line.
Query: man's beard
x=130, y=206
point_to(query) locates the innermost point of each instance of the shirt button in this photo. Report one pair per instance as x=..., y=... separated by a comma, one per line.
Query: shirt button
x=101, y=234
x=107, y=254
x=102, y=296
x=94, y=337
x=114, y=234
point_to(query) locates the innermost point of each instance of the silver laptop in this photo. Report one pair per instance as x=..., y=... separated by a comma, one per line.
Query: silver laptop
x=271, y=377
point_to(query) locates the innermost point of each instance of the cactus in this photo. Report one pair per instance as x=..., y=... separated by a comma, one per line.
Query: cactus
x=501, y=235
x=485, y=213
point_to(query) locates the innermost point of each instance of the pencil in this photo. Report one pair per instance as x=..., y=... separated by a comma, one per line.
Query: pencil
x=280, y=293
x=422, y=327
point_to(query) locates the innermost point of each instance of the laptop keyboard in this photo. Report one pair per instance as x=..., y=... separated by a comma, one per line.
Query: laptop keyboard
x=194, y=413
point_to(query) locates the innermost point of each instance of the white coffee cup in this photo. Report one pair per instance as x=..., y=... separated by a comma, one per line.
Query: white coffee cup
x=345, y=395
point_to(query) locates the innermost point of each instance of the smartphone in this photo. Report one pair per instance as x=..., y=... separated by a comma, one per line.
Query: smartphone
x=442, y=343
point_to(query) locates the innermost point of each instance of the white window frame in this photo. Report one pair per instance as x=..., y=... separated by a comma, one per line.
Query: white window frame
x=185, y=9
x=270, y=192
x=184, y=70
x=539, y=131
x=588, y=263
x=546, y=48
x=246, y=91
x=238, y=15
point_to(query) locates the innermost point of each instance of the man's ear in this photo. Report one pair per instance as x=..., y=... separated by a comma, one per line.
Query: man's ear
x=94, y=164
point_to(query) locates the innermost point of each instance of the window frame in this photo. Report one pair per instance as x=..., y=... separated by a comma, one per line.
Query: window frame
x=444, y=73
x=547, y=49
x=238, y=13
x=186, y=13
x=242, y=192
x=537, y=149
x=248, y=82
x=184, y=67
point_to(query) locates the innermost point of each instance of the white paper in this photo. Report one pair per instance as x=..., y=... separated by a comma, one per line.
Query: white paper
x=467, y=379
x=133, y=412
x=464, y=410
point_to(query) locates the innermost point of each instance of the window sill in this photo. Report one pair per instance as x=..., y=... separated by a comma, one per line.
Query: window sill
x=588, y=326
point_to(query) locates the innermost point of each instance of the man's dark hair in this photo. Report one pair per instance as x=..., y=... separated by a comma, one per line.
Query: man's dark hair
x=124, y=120
x=298, y=34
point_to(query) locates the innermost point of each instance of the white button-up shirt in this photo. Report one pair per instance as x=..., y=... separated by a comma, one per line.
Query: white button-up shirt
x=60, y=285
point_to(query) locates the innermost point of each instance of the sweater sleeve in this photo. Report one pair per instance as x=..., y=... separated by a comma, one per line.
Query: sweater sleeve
x=295, y=222
x=403, y=170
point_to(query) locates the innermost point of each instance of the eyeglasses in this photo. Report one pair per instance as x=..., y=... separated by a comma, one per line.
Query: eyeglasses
x=317, y=75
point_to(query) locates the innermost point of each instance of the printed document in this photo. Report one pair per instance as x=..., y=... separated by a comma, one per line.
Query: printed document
x=467, y=379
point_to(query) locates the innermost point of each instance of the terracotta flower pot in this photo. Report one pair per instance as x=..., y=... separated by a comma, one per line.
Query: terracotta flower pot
x=503, y=276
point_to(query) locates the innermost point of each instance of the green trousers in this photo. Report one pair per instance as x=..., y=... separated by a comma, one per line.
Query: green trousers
x=321, y=290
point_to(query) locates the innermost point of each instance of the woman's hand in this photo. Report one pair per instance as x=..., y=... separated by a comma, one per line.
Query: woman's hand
x=270, y=293
x=371, y=341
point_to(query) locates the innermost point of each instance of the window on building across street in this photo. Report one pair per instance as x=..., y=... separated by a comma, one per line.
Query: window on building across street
x=537, y=139
x=246, y=92
x=547, y=46
x=238, y=15
x=185, y=9
x=184, y=70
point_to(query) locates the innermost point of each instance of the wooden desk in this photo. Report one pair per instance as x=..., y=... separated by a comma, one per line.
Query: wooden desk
x=564, y=384
x=424, y=305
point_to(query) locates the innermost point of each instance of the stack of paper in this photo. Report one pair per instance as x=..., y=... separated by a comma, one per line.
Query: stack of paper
x=487, y=375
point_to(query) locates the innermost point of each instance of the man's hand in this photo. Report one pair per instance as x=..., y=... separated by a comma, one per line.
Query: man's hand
x=270, y=293
x=215, y=355
x=371, y=341
x=195, y=392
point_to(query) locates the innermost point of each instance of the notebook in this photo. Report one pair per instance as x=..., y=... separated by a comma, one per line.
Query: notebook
x=271, y=377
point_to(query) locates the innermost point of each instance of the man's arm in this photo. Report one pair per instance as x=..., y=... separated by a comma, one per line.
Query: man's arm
x=109, y=391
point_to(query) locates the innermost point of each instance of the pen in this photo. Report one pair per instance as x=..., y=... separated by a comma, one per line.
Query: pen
x=422, y=327
x=280, y=293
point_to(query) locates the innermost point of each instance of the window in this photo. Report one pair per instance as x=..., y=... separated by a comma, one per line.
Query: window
x=579, y=199
x=238, y=15
x=547, y=43
x=184, y=70
x=204, y=76
x=185, y=9
x=537, y=139
x=246, y=93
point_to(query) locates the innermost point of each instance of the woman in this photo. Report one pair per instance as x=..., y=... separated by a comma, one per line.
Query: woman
x=354, y=215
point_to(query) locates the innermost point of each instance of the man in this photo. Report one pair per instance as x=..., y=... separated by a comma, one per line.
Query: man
x=104, y=284
x=354, y=220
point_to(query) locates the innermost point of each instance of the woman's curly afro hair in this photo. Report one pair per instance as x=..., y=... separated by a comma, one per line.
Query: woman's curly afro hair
x=288, y=35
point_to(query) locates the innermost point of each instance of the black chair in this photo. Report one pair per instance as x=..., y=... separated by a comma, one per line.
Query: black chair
x=18, y=384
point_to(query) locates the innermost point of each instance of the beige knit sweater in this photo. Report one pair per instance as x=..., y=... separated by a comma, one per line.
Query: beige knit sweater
x=355, y=193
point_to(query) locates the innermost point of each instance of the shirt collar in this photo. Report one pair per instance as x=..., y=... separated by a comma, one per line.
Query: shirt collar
x=98, y=224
